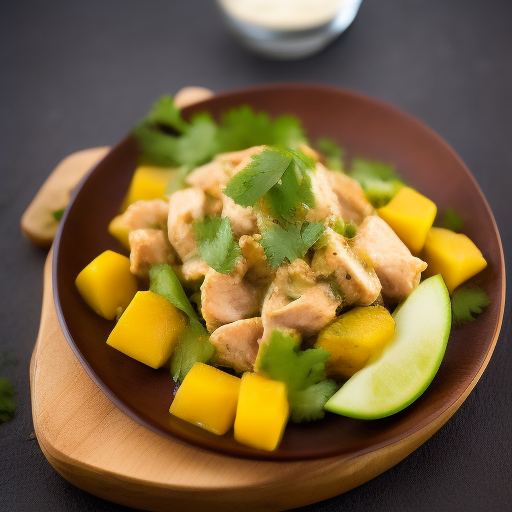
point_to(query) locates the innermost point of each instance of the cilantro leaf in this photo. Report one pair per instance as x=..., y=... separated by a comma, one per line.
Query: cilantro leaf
x=467, y=301
x=302, y=371
x=379, y=181
x=199, y=143
x=452, y=220
x=242, y=128
x=289, y=243
x=250, y=184
x=57, y=214
x=308, y=404
x=215, y=243
x=165, y=113
x=155, y=147
x=194, y=345
x=332, y=152
x=293, y=190
x=7, y=404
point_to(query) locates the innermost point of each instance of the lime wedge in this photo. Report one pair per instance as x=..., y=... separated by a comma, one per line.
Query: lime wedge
x=400, y=373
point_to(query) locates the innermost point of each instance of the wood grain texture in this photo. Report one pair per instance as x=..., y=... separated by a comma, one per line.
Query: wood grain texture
x=97, y=448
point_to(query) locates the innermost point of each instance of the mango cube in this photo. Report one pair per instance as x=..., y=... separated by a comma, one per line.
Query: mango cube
x=207, y=398
x=354, y=337
x=107, y=284
x=410, y=215
x=453, y=255
x=120, y=230
x=262, y=412
x=148, y=330
x=147, y=183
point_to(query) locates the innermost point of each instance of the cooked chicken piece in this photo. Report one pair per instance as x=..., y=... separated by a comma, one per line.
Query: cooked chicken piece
x=351, y=197
x=358, y=282
x=194, y=269
x=310, y=152
x=296, y=301
x=237, y=344
x=210, y=178
x=185, y=206
x=144, y=214
x=243, y=221
x=213, y=205
x=398, y=270
x=148, y=247
x=326, y=200
x=235, y=158
x=259, y=271
x=227, y=298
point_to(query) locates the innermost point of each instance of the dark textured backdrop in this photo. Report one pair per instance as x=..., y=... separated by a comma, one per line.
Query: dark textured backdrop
x=75, y=75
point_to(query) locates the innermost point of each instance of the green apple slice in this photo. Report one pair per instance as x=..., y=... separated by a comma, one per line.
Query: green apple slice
x=400, y=373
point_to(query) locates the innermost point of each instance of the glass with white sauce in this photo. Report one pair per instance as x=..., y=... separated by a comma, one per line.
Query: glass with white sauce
x=288, y=29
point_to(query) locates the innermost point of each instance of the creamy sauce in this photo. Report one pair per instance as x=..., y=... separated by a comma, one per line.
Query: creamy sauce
x=286, y=15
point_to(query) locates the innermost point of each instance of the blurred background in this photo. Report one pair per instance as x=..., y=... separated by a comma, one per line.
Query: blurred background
x=75, y=75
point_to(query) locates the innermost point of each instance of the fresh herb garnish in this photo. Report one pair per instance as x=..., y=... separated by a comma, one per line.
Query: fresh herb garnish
x=332, y=152
x=57, y=214
x=265, y=170
x=280, y=176
x=215, y=243
x=7, y=404
x=289, y=243
x=379, y=181
x=467, y=302
x=303, y=372
x=242, y=128
x=452, y=220
x=194, y=345
x=165, y=139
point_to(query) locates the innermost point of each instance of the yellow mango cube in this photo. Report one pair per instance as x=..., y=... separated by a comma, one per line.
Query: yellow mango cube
x=410, y=215
x=149, y=329
x=453, y=255
x=120, y=230
x=354, y=337
x=262, y=412
x=107, y=284
x=207, y=398
x=147, y=183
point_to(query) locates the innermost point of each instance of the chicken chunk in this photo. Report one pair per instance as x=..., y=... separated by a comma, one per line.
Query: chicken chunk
x=211, y=178
x=185, y=206
x=326, y=201
x=243, y=221
x=235, y=158
x=237, y=344
x=227, y=298
x=358, y=282
x=351, y=197
x=194, y=269
x=296, y=301
x=148, y=247
x=398, y=270
x=144, y=214
x=259, y=270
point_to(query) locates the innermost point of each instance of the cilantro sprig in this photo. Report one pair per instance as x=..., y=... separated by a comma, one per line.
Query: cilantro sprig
x=379, y=180
x=281, y=177
x=289, y=243
x=303, y=372
x=165, y=139
x=452, y=220
x=332, y=153
x=215, y=243
x=468, y=301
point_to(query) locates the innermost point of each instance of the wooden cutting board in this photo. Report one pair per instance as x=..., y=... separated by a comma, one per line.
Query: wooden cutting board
x=98, y=448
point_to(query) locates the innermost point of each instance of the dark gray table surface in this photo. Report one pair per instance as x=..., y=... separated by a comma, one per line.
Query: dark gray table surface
x=75, y=75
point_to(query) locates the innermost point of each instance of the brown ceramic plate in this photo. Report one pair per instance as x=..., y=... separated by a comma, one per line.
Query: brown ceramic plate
x=362, y=125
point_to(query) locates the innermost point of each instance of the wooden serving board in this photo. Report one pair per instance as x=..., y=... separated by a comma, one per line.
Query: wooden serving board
x=98, y=448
